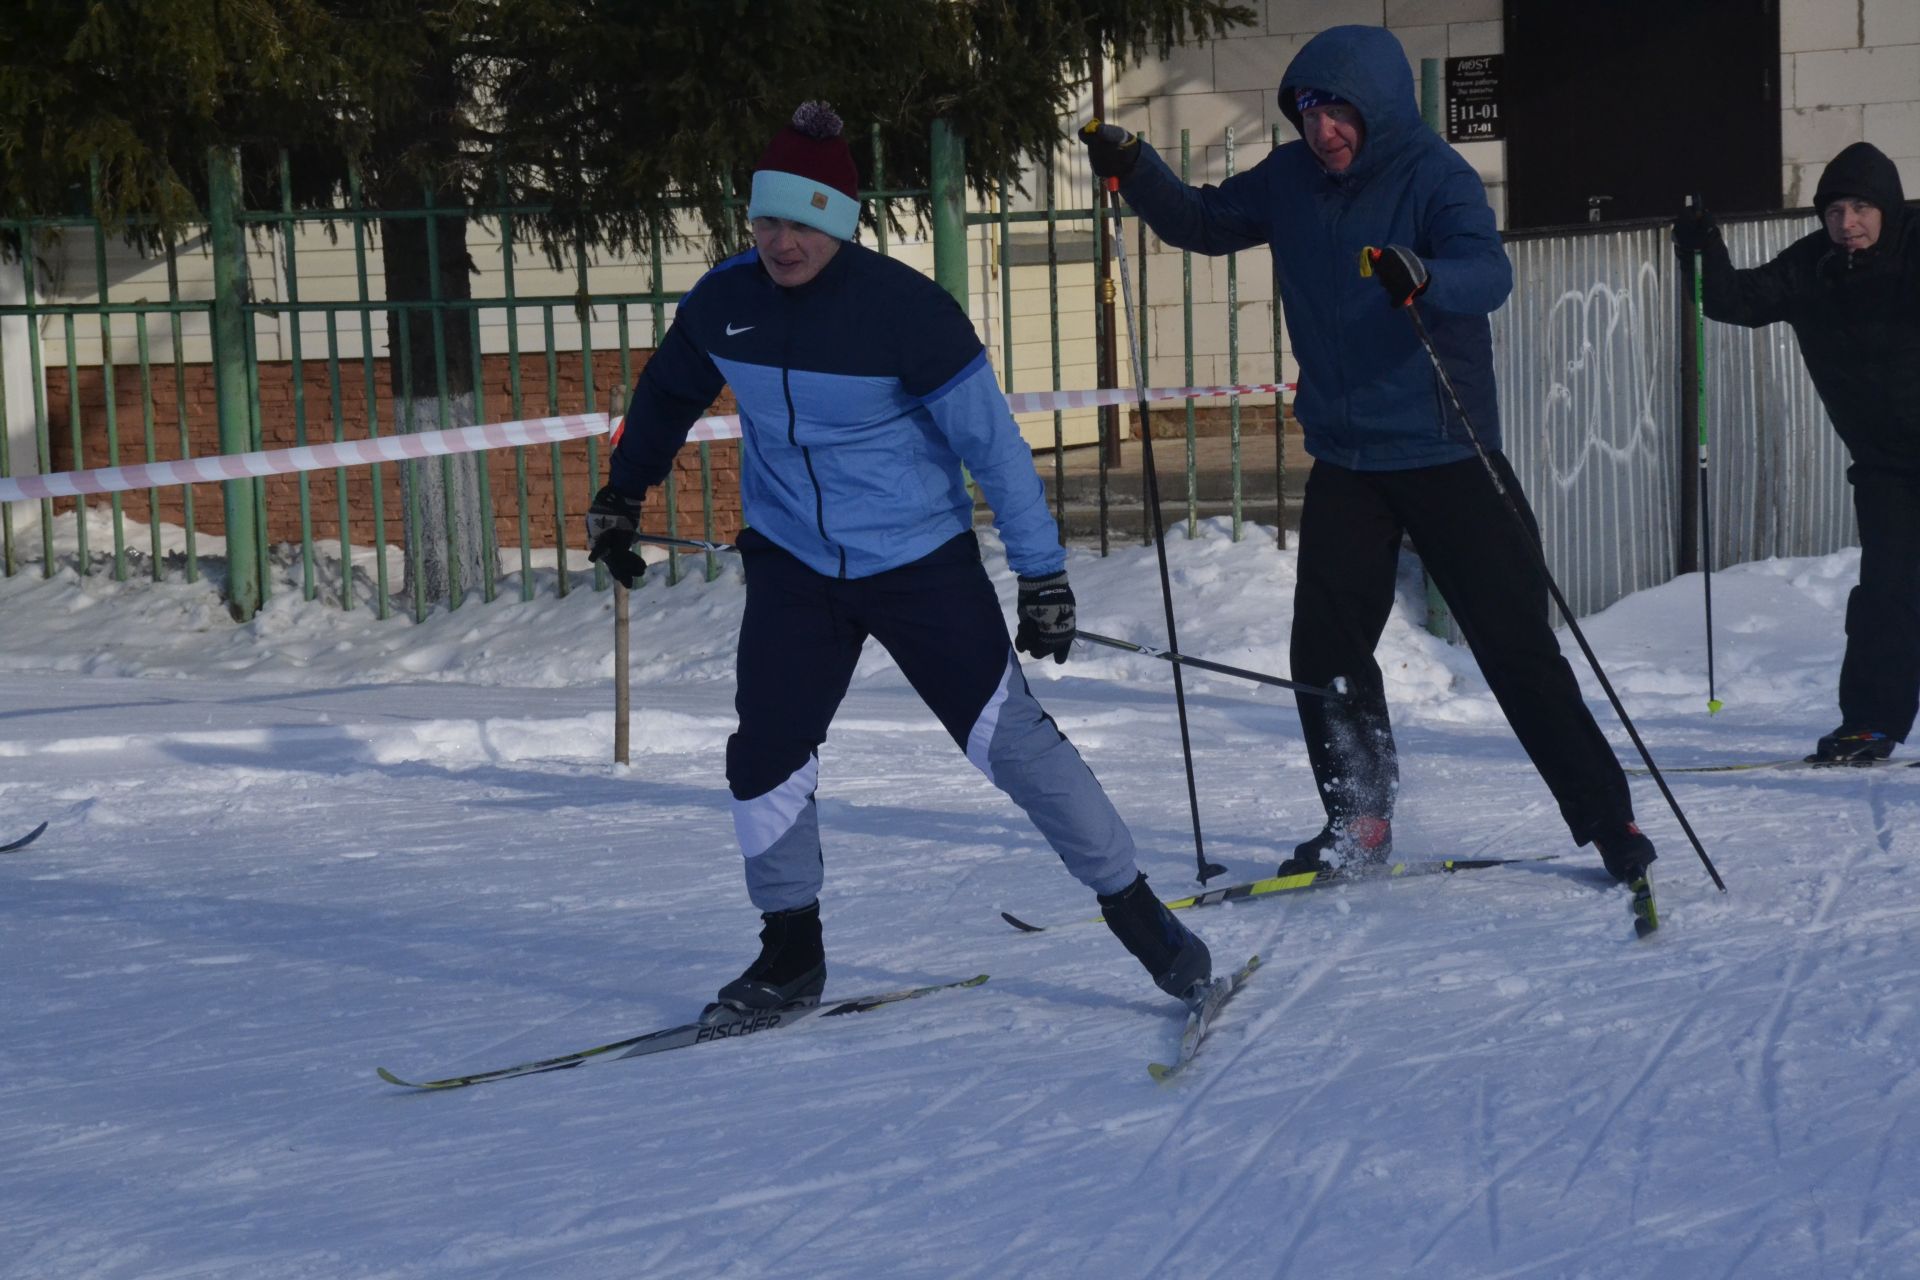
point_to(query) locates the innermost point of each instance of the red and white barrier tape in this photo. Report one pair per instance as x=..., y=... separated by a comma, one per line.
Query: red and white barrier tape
x=728, y=427
x=498, y=435
x=313, y=457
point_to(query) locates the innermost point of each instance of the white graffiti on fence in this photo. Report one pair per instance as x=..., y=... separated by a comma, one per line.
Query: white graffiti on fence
x=1598, y=397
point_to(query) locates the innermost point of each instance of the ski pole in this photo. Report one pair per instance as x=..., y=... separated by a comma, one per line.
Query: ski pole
x=1203, y=869
x=1367, y=258
x=691, y=544
x=1706, y=493
x=1337, y=691
x=1179, y=659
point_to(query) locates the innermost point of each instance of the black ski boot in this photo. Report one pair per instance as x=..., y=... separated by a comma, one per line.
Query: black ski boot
x=1626, y=852
x=1851, y=746
x=1344, y=844
x=790, y=973
x=1174, y=956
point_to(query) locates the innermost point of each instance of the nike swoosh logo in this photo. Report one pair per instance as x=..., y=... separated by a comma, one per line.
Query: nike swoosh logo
x=731, y=331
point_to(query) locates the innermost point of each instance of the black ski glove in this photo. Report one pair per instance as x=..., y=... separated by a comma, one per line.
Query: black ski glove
x=612, y=522
x=1046, y=617
x=1694, y=230
x=1399, y=271
x=1111, y=150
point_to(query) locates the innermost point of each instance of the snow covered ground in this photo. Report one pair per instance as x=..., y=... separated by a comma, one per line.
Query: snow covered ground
x=284, y=853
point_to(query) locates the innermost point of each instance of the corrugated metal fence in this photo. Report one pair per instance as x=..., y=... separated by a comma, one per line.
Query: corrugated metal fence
x=1587, y=356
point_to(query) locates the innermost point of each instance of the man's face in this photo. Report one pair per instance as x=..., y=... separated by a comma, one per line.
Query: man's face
x=1334, y=134
x=792, y=252
x=1853, y=223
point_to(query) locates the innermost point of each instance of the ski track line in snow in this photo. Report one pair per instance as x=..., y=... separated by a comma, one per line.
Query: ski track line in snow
x=1655, y=1056
x=1552, y=1139
x=1877, y=806
x=843, y=1135
x=1489, y=1136
x=1010, y=1257
x=1676, y=1225
x=1308, y=1218
x=1296, y=990
x=1799, y=969
x=1303, y=1221
x=1883, y=1150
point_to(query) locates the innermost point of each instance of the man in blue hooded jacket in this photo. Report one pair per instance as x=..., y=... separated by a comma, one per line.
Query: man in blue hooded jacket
x=1391, y=455
x=862, y=389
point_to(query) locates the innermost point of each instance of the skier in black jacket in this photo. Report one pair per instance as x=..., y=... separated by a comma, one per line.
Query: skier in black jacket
x=1851, y=291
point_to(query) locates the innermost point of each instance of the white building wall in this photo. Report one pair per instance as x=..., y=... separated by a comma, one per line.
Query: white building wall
x=1849, y=72
x=16, y=411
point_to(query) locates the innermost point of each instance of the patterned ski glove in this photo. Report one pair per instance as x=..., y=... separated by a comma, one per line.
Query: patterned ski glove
x=612, y=522
x=1111, y=150
x=1399, y=271
x=1046, y=617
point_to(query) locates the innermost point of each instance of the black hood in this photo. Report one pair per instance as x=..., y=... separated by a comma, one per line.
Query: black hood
x=1864, y=172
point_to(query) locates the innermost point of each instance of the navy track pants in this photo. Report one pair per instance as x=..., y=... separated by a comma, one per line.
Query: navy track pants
x=800, y=639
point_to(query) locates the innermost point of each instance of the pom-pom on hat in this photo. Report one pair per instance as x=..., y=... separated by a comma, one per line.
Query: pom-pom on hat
x=806, y=175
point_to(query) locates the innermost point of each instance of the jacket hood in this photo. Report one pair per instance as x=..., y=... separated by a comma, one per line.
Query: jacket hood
x=1368, y=67
x=1863, y=171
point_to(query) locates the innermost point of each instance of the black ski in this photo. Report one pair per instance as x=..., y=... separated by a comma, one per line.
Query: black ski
x=1308, y=880
x=1200, y=1015
x=24, y=840
x=731, y=1026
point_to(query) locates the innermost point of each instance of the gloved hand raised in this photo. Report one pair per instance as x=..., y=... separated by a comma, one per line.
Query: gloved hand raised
x=612, y=522
x=1399, y=271
x=1694, y=230
x=1111, y=150
x=1046, y=613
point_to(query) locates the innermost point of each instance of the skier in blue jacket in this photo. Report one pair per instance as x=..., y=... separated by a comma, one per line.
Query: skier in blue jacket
x=1391, y=457
x=862, y=389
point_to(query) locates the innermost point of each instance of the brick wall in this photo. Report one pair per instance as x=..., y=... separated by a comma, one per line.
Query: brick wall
x=1210, y=420
x=195, y=401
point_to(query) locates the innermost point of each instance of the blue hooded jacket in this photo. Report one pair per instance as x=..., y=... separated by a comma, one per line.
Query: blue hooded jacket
x=1369, y=398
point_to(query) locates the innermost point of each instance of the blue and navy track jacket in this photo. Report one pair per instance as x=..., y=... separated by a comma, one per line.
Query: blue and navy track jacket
x=1369, y=399
x=861, y=393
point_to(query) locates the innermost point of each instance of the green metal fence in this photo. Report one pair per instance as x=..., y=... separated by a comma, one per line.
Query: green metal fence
x=1229, y=485
x=331, y=328
x=346, y=338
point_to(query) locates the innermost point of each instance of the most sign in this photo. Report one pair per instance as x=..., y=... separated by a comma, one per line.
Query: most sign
x=1473, y=99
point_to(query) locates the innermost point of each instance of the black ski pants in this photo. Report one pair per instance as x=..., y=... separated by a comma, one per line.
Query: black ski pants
x=1351, y=525
x=1880, y=676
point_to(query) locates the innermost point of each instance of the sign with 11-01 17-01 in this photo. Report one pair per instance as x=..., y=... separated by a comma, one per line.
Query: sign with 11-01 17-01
x=1473, y=99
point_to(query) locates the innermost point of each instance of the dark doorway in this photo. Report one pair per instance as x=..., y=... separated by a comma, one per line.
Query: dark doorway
x=1627, y=106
